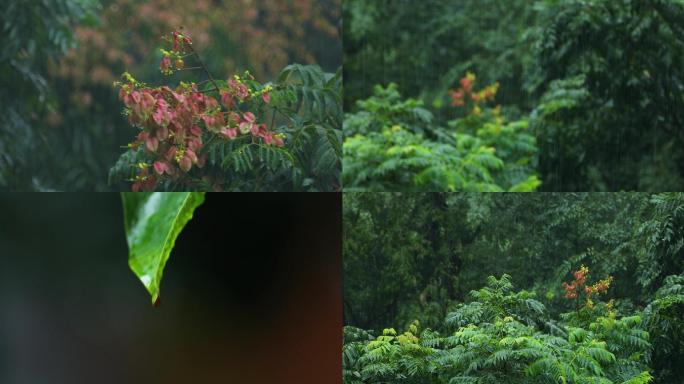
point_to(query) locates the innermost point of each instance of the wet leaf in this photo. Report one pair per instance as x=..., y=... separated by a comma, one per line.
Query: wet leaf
x=153, y=221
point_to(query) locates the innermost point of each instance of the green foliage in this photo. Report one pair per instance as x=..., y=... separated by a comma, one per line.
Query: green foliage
x=427, y=46
x=394, y=145
x=33, y=34
x=153, y=221
x=494, y=346
x=433, y=248
x=316, y=127
x=663, y=235
x=417, y=256
x=395, y=159
x=501, y=302
x=385, y=108
x=60, y=119
x=602, y=81
x=405, y=245
x=611, y=117
x=664, y=320
x=306, y=107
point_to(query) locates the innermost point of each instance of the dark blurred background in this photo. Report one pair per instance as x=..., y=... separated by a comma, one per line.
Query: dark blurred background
x=61, y=123
x=251, y=294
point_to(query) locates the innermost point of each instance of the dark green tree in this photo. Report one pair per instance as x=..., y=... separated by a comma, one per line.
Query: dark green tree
x=34, y=33
x=414, y=257
x=612, y=116
x=427, y=46
x=499, y=336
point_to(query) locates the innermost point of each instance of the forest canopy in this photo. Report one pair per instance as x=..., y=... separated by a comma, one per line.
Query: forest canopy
x=529, y=288
x=599, y=85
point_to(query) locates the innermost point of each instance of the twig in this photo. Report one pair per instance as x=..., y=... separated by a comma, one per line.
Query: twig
x=209, y=141
x=273, y=118
x=204, y=67
x=205, y=91
x=188, y=68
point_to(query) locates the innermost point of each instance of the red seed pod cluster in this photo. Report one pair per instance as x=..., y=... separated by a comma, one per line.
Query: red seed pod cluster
x=176, y=122
x=466, y=90
x=181, y=46
x=580, y=279
x=169, y=130
x=599, y=288
x=579, y=284
x=180, y=41
x=570, y=290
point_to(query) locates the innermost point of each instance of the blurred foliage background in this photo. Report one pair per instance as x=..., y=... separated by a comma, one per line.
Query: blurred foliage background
x=601, y=82
x=61, y=122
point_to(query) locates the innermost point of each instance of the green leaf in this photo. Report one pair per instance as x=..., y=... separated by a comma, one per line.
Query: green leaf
x=153, y=221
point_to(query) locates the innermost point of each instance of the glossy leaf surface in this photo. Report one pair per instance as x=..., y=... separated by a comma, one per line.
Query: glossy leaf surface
x=153, y=221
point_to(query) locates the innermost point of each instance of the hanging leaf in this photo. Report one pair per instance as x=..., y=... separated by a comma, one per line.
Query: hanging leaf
x=153, y=221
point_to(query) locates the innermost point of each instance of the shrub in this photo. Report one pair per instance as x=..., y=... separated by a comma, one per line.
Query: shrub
x=394, y=144
x=502, y=336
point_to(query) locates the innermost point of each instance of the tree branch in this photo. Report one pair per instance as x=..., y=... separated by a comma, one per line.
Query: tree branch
x=188, y=68
x=204, y=67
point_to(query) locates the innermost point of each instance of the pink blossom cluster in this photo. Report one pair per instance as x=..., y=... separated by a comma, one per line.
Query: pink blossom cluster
x=174, y=122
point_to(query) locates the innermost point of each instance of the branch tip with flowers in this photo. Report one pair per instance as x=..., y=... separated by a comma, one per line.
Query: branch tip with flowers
x=465, y=92
x=176, y=123
x=579, y=284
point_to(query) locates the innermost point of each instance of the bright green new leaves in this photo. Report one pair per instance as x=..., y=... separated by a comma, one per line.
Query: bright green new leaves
x=153, y=221
x=393, y=144
x=502, y=336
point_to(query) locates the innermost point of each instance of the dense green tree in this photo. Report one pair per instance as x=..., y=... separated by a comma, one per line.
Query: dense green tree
x=394, y=144
x=34, y=33
x=612, y=116
x=414, y=257
x=500, y=336
x=427, y=46
x=536, y=238
x=397, y=145
x=600, y=81
x=405, y=245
